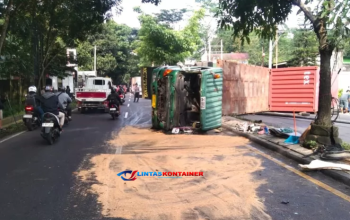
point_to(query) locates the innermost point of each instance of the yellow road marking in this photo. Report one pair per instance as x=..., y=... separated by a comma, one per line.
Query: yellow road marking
x=318, y=183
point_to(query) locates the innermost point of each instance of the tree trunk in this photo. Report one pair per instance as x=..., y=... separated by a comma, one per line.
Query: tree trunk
x=325, y=96
x=6, y=23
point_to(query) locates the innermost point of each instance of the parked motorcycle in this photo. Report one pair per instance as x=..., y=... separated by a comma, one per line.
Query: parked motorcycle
x=50, y=129
x=30, y=120
x=114, y=111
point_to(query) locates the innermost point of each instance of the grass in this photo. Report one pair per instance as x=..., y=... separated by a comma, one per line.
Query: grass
x=12, y=129
x=346, y=146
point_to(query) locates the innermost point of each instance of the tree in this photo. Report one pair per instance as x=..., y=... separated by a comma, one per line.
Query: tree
x=329, y=20
x=159, y=44
x=114, y=51
x=305, y=50
x=155, y=2
x=170, y=17
x=47, y=28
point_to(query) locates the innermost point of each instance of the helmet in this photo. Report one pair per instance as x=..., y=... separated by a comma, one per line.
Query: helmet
x=62, y=89
x=48, y=88
x=113, y=90
x=32, y=89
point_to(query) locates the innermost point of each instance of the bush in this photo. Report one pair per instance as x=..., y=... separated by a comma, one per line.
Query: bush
x=16, y=109
x=346, y=146
x=310, y=144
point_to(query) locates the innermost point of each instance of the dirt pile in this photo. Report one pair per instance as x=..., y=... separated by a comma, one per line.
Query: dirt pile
x=227, y=189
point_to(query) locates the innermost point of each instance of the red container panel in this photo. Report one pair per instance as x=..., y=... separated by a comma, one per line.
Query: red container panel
x=246, y=88
x=91, y=95
x=294, y=89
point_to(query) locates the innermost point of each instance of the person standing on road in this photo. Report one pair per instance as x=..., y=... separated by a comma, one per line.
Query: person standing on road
x=137, y=92
x=344, y=101
x=1, y=115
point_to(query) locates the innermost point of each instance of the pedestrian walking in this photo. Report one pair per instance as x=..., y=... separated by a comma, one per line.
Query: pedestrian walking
x=1, y=114
x=344, y=101
x=68, y=91
x=137, y=92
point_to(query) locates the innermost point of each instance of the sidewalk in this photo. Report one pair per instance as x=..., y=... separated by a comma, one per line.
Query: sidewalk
x=11, y=120
x=295, y=152
x=343, y=118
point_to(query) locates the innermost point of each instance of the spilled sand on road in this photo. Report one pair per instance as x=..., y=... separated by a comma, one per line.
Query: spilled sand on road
x=227, y=190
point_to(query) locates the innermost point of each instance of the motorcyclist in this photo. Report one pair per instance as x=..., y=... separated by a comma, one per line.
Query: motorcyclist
x=64, y=101
x=50, y=104
x=34, y=100
x=114, y=98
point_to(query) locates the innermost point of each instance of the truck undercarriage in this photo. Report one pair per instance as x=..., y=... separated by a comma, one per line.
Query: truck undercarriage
x=188, y=86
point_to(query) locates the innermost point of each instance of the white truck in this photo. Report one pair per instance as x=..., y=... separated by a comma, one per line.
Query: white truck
x=93, y=94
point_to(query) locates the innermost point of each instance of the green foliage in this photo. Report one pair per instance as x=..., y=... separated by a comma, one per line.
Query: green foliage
x=155, y=2
x=305, y=48
x=114, y=51
x=39, y=33
x=310, y=144
x=346, y=146
x=170, y=17
x=159, y=44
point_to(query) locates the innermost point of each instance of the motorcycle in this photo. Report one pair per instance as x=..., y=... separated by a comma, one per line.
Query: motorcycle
x=30, y=120
x=114, y=111
x=50, y=129
x=122, y=97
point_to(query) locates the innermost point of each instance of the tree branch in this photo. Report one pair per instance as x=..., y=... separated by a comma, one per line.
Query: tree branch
x=301, y=5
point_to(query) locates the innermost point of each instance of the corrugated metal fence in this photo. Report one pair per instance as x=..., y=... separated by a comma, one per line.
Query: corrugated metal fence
x=246, y=88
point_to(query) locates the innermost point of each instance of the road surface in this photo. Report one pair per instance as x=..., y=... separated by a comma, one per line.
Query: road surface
x=76, y=179
x=302, y=124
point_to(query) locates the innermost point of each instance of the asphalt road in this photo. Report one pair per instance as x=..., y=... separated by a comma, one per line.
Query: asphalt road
x=302, y=124
x=37, y=180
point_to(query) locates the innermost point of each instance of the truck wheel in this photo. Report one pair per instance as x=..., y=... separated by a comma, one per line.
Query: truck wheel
x=83, y=110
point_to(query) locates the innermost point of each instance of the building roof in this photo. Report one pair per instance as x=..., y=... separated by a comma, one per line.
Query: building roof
x=232, y=56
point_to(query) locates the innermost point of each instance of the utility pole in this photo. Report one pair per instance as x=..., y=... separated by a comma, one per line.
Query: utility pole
x=262, y=56
x=276, y=49
x=95, y=59
x=270, y=54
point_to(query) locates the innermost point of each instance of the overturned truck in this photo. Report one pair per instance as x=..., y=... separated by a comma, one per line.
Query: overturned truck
x=186, y=99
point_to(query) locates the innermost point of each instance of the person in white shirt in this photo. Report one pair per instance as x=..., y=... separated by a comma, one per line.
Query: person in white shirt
x=137, y=92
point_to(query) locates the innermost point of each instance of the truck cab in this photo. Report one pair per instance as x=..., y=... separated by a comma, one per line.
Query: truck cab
x=188, y=98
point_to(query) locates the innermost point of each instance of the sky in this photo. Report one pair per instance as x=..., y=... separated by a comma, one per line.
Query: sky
x=129, y=17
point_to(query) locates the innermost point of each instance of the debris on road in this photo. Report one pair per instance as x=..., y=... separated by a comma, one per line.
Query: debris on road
x=319, y=164
x=285, y=202
x=228, y=175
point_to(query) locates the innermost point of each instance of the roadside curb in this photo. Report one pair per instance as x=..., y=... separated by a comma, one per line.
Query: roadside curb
x=337, y=175
x=298, y=116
